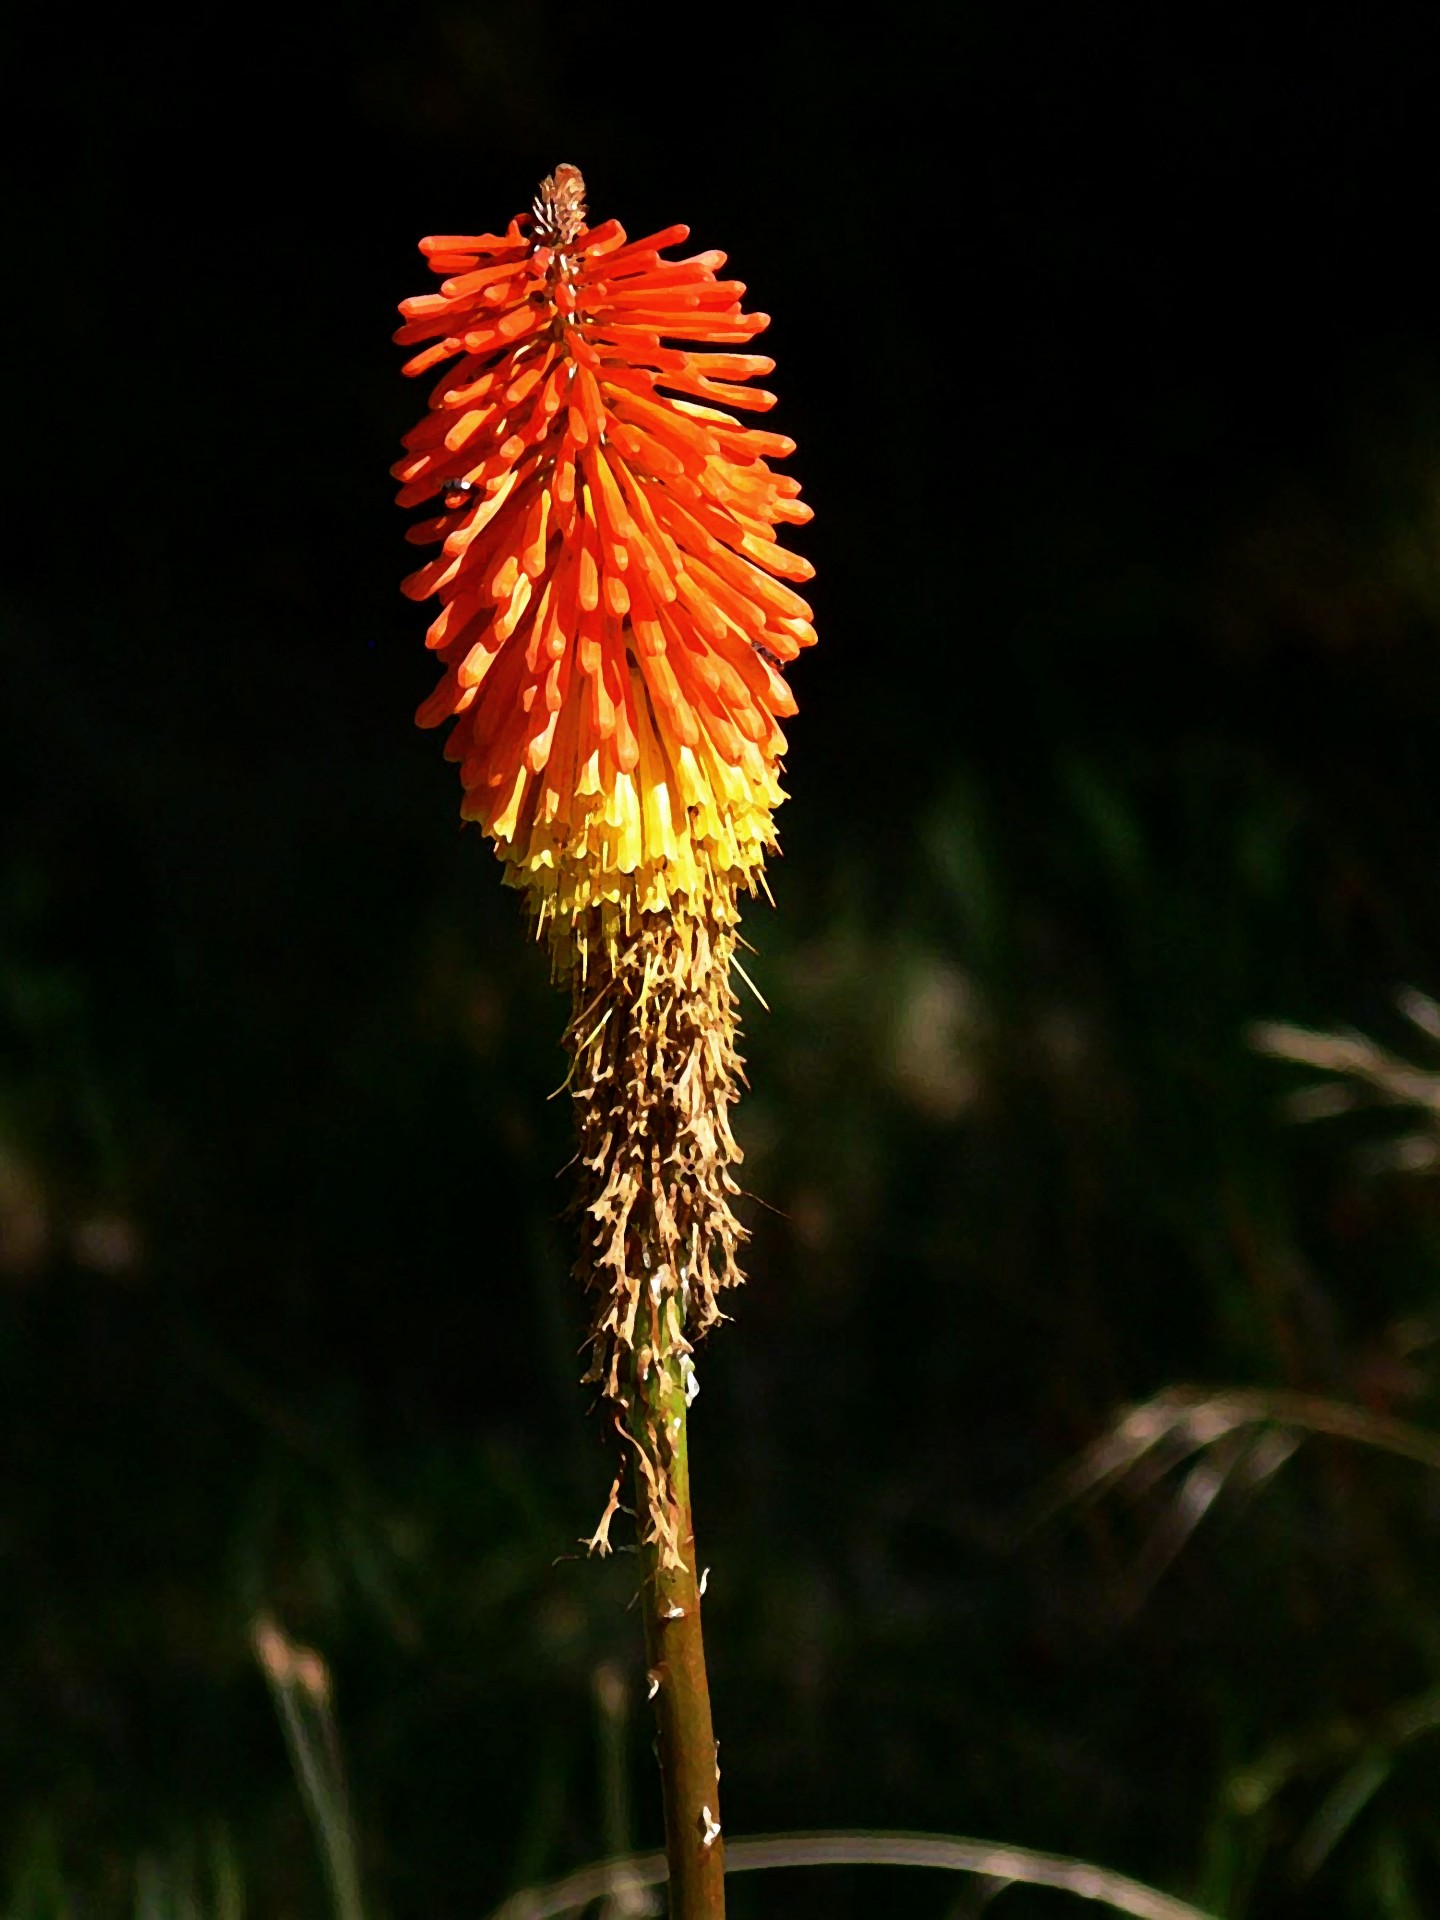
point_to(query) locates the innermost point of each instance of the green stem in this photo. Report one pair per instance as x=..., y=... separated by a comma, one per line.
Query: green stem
x=675, y=1652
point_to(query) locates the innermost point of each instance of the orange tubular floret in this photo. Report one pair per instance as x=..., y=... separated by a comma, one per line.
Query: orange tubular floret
x=609, y=578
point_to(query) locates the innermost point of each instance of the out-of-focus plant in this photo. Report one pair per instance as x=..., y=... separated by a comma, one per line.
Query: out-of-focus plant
x=1362, y=1073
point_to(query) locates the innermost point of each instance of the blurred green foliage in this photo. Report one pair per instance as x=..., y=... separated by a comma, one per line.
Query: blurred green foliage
x=1119, y=403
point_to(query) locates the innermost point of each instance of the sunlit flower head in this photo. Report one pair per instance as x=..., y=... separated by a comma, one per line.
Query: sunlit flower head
x=614, y=613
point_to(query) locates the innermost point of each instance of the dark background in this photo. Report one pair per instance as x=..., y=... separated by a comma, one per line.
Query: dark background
x=1112, y=348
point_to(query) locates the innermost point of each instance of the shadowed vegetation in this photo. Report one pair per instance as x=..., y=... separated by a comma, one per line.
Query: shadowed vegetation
x=1115, y=370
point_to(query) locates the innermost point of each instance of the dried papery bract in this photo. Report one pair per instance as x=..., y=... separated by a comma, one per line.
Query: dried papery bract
x=615, y=616
x=656, y=1073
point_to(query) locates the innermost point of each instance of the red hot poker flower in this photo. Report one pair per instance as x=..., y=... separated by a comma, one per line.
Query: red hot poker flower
x=614, y=607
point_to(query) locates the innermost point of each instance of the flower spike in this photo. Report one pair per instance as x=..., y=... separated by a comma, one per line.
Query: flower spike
x=615, y=618
x=615, y=609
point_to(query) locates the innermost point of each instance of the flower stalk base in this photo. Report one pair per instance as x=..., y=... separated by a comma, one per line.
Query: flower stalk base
x=675, y=1651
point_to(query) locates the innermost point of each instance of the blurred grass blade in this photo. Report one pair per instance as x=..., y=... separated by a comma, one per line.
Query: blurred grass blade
x=1012, y=1866
x=1340, y=1809
x=1164, y=1431
x=1243, y=1436
x=629, y=1898
x=1394, y=1887
x=1199, y=1490
x=1333, y=1742
x=299, y=1683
